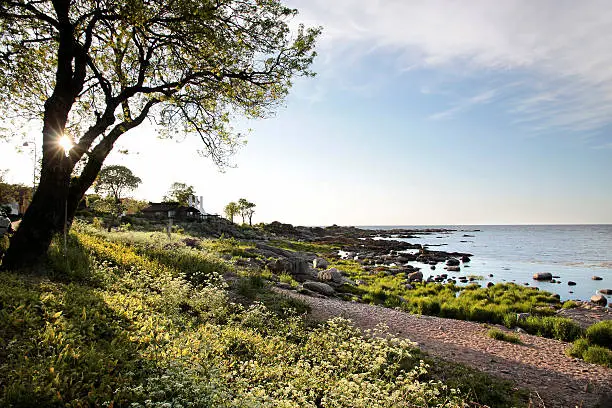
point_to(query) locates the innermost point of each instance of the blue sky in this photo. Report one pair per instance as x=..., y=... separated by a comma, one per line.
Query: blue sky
x=437, y=112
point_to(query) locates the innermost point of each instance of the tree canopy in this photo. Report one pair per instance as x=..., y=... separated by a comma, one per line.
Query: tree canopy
x=231, y=209
x=92, y=70
x=179, y=193
x=246, y=209
x=115, y=180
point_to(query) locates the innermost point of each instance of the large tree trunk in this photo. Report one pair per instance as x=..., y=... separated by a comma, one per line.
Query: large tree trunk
x=44, y=218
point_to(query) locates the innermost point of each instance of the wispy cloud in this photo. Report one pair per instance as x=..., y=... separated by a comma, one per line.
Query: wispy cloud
x=560, y=47
x=465, y=105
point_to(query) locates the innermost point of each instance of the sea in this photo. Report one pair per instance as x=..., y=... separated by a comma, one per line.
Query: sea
x=514, y=253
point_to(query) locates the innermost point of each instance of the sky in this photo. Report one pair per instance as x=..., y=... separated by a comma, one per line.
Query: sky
x=422, y=113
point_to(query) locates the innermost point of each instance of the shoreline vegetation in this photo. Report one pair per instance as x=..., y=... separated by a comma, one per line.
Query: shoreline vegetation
x=136, y=317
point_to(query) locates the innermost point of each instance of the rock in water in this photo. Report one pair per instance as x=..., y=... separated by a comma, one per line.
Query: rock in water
x=453, y=268
x=605, y=291
x=599, y=300
x=319, y=287
x=571, y=283
x=543, y=276
x=597, y=278
x=452, y=262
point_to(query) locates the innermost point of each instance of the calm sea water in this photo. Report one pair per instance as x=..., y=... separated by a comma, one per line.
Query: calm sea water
x=515, y=252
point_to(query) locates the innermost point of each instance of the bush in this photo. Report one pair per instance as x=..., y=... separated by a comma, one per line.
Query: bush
x=600, y=334
x=578, y=348
x=570, y=304
x=598, y=355
x=500, y=335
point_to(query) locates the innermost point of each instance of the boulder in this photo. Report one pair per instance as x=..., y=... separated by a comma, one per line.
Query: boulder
x=490, y=284
x=599, y=300
x=597, y=278
x=330, y=275
x=452, y=262
x=320, y=263
x=465, y=259
x=542, y=276
x=605, y=291
x=571, y=283
x=415, y=276
x=319, y=287
x=453, y=268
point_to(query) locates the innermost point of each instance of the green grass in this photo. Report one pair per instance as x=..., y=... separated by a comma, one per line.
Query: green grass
x=503, y=336
x=137, y=329
x=596, y=345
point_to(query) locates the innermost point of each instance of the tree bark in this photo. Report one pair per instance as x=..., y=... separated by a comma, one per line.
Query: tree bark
x=44, y=218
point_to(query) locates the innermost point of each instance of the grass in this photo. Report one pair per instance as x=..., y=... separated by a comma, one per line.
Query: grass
x=503, y=336
x=130, y=323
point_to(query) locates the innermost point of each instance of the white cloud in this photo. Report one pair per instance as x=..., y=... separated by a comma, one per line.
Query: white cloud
x=466, y=104
x=561, y=47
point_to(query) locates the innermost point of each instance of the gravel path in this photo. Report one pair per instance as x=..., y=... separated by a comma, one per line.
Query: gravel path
x=539, y=364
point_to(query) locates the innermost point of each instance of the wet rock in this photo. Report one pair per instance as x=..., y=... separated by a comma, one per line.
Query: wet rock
x=490, y=284
x=490, y=275
x=599, y=300
x=571, y=283
x=605, y=291
x=320, y=263
x=319, y=287
x=465, y=259
x=452, y=262
x=597, y=278
x=453, y=268
x=543, y=276
x=432, y=267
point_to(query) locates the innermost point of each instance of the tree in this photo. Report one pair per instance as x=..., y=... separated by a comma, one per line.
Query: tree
x=231, y=210
x=92, y=70
x=114, y=181
x=179, y=193
x=246, y=209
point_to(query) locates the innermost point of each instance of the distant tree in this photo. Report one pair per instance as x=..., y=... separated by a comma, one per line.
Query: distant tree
x=114, y=181
x=246, y=209
x=133, y=206
x=179, y=193
x=91, y=70
x=231, y=209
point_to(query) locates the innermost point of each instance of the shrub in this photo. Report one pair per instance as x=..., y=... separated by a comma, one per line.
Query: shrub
x=570, y=304
x=500, y=335
x=598, y=355
x=578, y=348
x=600, y=334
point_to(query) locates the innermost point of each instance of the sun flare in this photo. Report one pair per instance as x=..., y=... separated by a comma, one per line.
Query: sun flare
x=66, y=143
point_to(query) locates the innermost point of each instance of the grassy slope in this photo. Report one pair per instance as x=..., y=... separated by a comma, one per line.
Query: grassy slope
x=147, y=322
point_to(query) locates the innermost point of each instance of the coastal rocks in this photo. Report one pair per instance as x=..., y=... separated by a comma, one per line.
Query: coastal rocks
x=453, y=268
x=319, y=287
x=465, y=259
x=599, y=300
x=452, y=262
x=543, y=276
x=597, y=278
x=320, y=263
x=331, y=275
x=571, y=283
x=415, y=276
x=605, y=291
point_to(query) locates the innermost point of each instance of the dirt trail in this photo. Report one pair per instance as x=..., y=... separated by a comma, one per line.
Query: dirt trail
x=539, y=364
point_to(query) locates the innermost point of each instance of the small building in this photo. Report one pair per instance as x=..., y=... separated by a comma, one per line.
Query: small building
x=171, y=210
